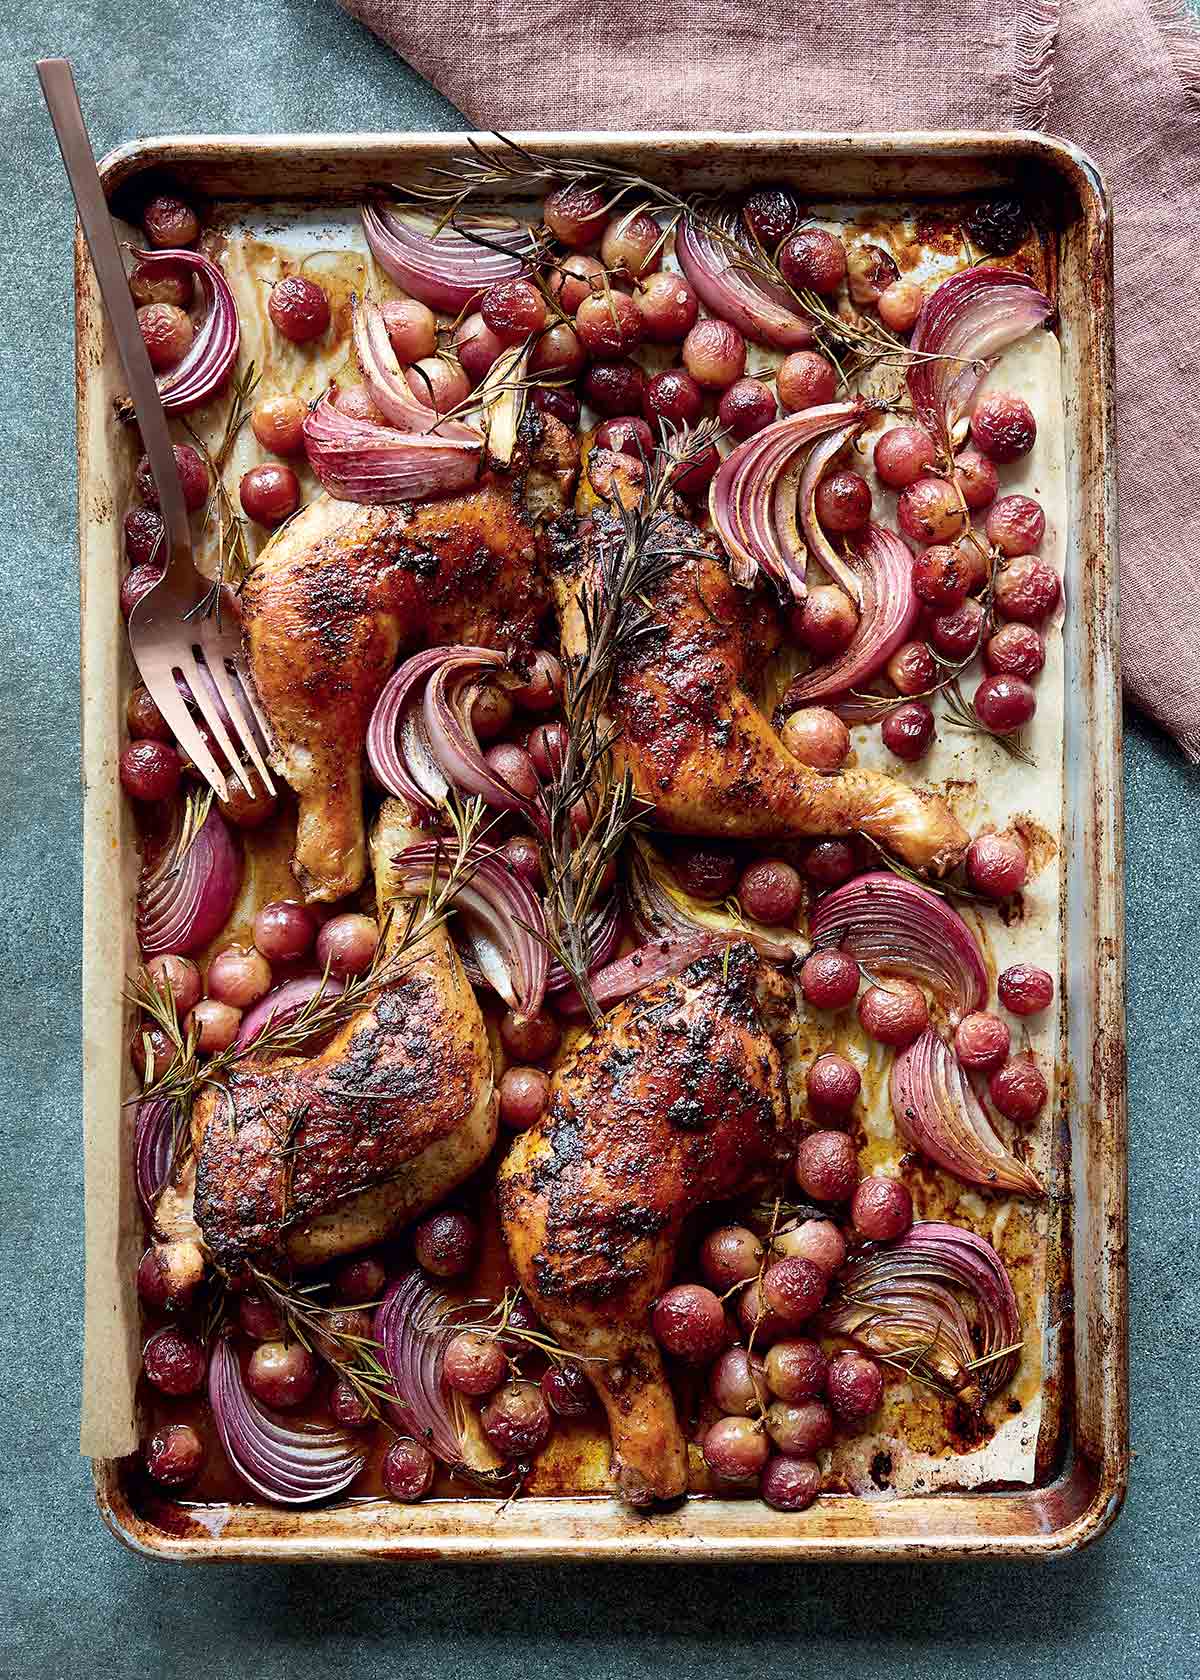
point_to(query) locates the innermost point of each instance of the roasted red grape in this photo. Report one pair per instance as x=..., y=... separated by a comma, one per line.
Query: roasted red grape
x=299, y=308
x=796, y=1371
x=793, y=1289
x=1016, y=525
x=629, y=435
x=547, y=745
x=1004, y=704
x=445, y=1244
x=239, y=975
x=1003, y=427
x=562, y=404
x=714, y=353
x=1025, y=989
x=911, y=668
x=941, y=577
x=347, y=944
x=542, y=685
x=439, y=382
x=474, y=1364
x=705, y=871
x=956, y=634
x=215, y=1025
x=170, y=223
x=818, y=1240
x=730, y=1255
x=575, y=278
x=737, y=1383
x=411, y=329
x=770, y=891
x=513, y=309
x=689, y=1322
x=996, y=865
x=813, y=260
x=576, y=214
x=747, y=407
x=894, y=1014
x=169, y=1275
x=284, y=929
x=407, y=1470
x=145, y=537
x=830, y=862
x=522, y=856
x=817, y=737
x=799, y=1428
x=825, y=621
x=516, y=1420
x=557, y=352
x=534, y=1039
x=827, y=1166
x=348, y=1407
x=1027, y=590
x=900, y=305
x=904, y=454
x=736, y=1449
x=166, y=281
x=269, y=493
x=566, y=1389
x=513, y=765
x=259, y=1317
x=174, y=1363
x=615, y=388
x=981, y=1041
x=790, y=1484
x=1019, y=1089
x=632, y=244
x=673, y=395
x=281, y=1374
x=1016, y=650
x=907, y=730
x=174, y=1455
x=832, y=1082
x=524, y=1095
x=167, y=333
x=757, y=1320
x=669, y=307
x=278, y=424
x=361, y=1279
x=609, y=323
x=179, y=977
x=150, y=770
x=870, y=270
x=977, y=478
x=771, y=212
x=193, y=479
x=478, y=349
x=881, y=1209
x=930, y=512
x=843, y=503
x=829, y=979
x=855, y=1387
x=805, y=380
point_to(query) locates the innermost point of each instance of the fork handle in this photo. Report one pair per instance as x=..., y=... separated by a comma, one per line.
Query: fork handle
x=62, y=101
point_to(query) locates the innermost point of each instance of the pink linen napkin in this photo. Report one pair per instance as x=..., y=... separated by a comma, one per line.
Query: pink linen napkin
x=1120, y=78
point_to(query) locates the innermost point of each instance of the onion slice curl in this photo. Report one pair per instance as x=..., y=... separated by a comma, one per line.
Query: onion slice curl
x=214, y=348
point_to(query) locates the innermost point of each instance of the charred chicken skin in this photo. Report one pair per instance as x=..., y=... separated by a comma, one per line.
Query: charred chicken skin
x=678, y=1098
x=305, y=1158
x=343, y=588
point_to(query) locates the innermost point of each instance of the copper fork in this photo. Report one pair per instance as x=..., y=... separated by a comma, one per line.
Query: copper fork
x=176, y=629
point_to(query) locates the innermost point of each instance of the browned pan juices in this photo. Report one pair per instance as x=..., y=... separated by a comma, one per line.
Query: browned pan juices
x=1080, y=1446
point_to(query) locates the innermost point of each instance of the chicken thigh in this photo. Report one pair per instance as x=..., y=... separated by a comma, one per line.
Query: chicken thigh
x=306, y=1158
x=678, y=1098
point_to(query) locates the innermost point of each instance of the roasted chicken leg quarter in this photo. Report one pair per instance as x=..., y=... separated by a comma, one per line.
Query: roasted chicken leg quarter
x=343, y=588
x=305, y=1158
x=678, y=1098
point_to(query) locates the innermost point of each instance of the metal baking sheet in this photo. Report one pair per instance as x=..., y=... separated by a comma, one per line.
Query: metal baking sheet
x=1061, y=1458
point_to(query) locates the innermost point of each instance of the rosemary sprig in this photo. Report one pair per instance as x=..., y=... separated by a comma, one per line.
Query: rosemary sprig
x=306, y=1320
x=497, y=1323
x=962, y=717
x=634, y=554
x=220, y=512
x=944, y=888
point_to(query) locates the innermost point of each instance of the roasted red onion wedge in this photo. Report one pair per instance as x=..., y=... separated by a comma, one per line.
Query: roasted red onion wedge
x=662, y=913
x=883, y=566
x=386, y=380
x=357, y=461
x=214, y=347
x=902, y=1304
x=964, y=325
x=186, y=894
x=763, y=312
x=153, y=1150
x=286, y=1003
x=895, y=926
x=753, y=498
x=638, y=969
x=439, y=265
x=937, y=1112
x=284, y=1465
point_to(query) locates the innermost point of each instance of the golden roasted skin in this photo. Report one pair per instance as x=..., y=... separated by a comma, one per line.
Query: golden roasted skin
x=701, y=751
x=678, y=1098
x=305, y=1158
x=343, y=588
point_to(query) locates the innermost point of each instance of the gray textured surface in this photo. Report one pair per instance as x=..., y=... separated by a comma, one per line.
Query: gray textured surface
x=70, y=1599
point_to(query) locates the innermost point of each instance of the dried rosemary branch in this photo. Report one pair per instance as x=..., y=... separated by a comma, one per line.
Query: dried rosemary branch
x=220, y=512
x=307, y=1320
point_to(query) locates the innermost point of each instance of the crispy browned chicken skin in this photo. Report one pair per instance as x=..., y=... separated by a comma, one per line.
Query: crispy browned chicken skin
x=308, y=1157
x=342, y=589
x=677, y=1099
